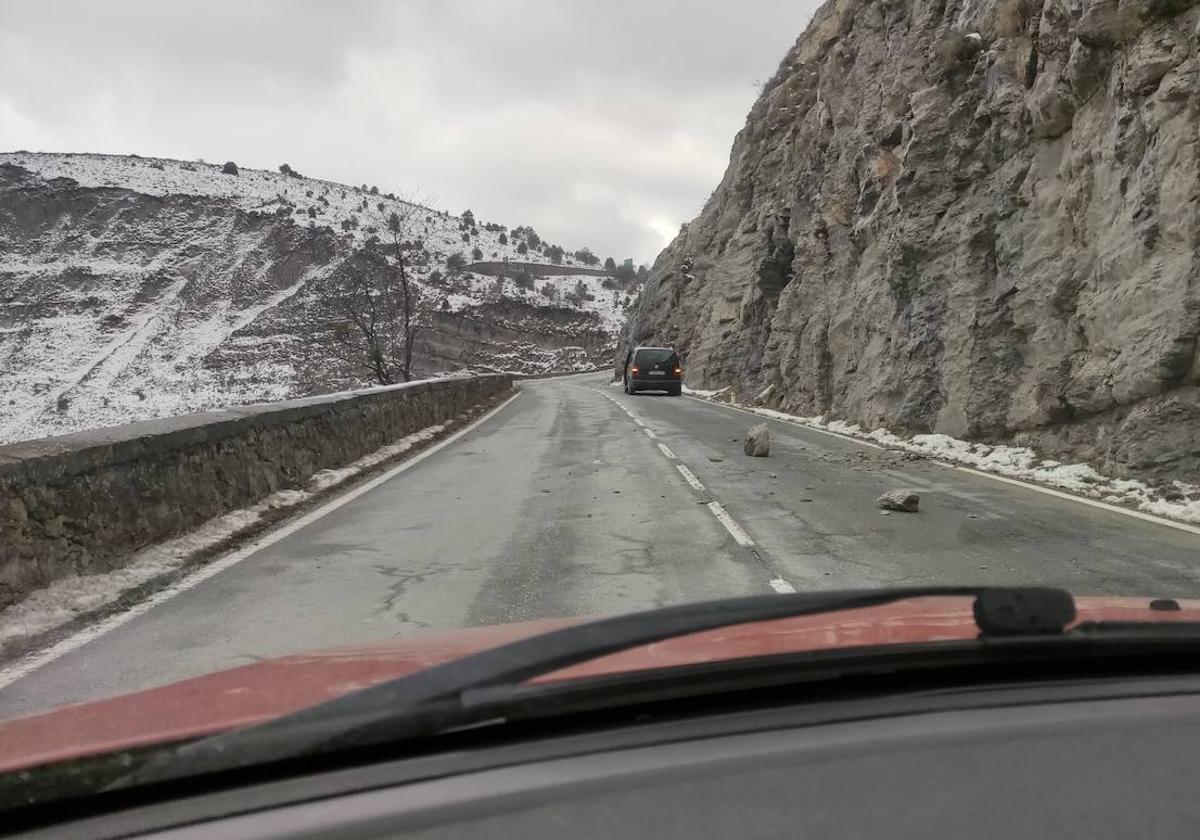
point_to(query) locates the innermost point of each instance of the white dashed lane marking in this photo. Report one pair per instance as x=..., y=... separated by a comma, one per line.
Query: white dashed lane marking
x=689, y=477
x=739, y=534
x=735, y=530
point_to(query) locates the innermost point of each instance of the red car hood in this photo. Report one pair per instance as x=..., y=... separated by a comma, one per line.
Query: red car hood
x=268, y=689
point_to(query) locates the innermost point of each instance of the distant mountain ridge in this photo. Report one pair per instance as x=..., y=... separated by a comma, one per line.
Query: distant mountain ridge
x=136, y=287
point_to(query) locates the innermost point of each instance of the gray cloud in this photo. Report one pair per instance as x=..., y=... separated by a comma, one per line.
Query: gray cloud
x=599, y=123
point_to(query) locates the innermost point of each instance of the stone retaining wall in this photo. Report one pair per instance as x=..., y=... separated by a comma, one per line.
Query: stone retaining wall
x=83, y=503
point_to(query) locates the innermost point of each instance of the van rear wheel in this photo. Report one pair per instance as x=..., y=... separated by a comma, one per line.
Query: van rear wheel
x=676, y=391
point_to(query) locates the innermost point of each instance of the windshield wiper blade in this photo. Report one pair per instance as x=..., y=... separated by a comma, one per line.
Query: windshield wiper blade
x=432, y=700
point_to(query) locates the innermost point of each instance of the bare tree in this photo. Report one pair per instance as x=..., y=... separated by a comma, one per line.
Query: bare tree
x=398, y=226
x=370, y=307
x=360, y=317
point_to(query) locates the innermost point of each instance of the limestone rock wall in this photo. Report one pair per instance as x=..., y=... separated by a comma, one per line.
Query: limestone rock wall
x=976, y=217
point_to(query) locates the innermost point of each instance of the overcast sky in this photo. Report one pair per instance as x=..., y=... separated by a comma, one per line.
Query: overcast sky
x=598, y=122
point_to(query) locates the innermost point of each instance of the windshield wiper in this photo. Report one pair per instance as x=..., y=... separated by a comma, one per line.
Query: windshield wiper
x=438, y=698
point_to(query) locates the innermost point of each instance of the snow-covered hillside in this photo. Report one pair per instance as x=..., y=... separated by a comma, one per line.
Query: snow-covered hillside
x=139, y=287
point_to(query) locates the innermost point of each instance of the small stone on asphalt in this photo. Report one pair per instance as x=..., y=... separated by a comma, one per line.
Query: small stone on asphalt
x=901, y=500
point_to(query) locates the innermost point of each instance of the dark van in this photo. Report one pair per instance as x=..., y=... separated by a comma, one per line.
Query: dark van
x=653, y=369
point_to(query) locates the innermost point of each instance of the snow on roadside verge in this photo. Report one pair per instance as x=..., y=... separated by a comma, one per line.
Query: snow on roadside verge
x=70, y=597
x=705, y=395
x=1017, y=462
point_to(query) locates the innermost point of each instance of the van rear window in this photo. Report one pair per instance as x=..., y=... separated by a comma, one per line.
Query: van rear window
x=652, y=357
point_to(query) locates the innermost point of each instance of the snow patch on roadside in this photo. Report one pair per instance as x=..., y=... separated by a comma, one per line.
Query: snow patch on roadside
x=69, y=597
x=1018, y=462
x=707, y=395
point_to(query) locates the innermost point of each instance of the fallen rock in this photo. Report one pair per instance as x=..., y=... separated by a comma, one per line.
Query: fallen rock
x=902, y=500
x=758, y=442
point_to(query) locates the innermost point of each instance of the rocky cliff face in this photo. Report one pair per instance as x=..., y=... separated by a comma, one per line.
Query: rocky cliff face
x=976, y=217
x=134, y=288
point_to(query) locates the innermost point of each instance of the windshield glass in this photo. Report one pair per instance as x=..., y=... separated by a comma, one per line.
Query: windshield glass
x=340, y=341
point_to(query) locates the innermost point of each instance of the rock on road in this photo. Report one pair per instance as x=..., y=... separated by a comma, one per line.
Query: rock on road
x=563, y=504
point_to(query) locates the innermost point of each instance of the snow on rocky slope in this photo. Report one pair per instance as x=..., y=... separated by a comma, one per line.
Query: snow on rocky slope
x=138, y=287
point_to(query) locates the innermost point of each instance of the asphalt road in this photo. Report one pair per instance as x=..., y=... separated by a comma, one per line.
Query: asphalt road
x=570, y=501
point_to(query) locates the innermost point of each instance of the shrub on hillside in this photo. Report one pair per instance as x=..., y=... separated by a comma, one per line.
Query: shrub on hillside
x=528, y=234
x=522, y=249
x=503, y=239
x=288, y=171
x=230, y=168
x=582, y=292
x=476, y=254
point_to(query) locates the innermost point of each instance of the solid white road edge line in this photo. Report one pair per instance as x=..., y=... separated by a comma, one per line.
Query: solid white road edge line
x=1028, y=485
x=663, y=448
x=24, y=667
x=782, y=586
x=1083, y=500
x=735, y=530
x=789, y=422
x=650, y=434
